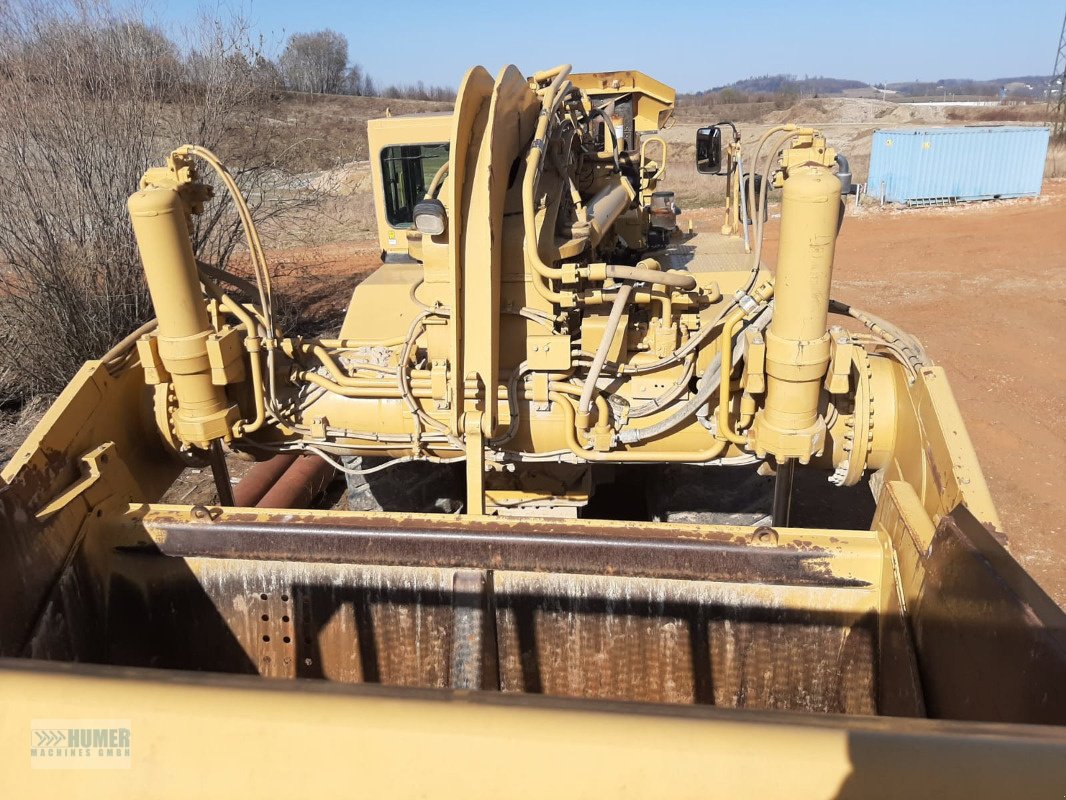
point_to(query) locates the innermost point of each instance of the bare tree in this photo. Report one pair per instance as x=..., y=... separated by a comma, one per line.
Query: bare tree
x=91, y=98
x=356, y=81
x=315, y=62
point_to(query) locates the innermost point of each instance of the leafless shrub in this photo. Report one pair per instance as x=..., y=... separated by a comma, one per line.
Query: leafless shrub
x=92, y=96
x=16, y=423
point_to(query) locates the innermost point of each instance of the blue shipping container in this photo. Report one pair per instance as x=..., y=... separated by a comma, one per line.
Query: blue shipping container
x=923, y=165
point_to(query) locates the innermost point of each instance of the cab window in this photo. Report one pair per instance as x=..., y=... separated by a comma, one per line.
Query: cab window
x=406, y=171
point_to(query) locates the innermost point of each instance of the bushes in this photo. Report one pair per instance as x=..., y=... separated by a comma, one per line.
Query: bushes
x=91, y=98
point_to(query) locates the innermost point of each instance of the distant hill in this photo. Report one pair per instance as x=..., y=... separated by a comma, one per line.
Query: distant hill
x=790, y=84
x=764, y=87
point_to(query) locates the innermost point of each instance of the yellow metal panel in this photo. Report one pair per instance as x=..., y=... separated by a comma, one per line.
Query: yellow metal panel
x=654, y=100
x=508, y=125
x=550, y=352
x=470, y=104
x=201, y=738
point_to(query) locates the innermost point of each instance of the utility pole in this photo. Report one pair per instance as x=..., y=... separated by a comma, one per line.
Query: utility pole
x=1056, y=95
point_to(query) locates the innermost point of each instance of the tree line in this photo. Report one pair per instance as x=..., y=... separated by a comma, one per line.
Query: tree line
x=318, y=63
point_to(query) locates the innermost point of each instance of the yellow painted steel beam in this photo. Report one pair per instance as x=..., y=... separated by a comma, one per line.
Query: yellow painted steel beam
x=209, y=737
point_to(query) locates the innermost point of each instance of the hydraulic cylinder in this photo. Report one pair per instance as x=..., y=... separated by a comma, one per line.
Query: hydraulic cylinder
x=797, y=341
x=160, y=225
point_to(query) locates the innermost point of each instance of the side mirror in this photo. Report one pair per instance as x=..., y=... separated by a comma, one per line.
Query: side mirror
x=709, y=151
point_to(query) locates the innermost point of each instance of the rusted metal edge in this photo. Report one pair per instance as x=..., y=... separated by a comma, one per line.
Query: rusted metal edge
x=634, y=553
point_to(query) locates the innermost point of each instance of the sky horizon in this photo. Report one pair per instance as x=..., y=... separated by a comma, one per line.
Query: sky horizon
x=436, y=42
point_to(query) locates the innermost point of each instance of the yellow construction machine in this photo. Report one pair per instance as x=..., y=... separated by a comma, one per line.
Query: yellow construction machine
x=630, y=512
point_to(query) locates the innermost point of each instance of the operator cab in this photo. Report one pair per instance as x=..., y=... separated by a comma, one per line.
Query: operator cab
x=405, y=153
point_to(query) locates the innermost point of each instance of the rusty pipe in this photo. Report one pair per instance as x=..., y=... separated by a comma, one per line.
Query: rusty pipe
x=261, y=479
x=301, y=483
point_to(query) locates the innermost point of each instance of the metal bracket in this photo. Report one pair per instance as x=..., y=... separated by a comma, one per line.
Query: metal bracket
x=439, y=383
x=91, y=470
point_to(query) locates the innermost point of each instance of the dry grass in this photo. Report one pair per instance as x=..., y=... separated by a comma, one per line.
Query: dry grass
x=1020, y=113
x=17, y=423
x=1055, y=166
x=332, y=129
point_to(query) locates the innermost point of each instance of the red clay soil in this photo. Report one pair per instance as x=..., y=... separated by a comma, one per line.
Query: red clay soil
x=321, y=278
x=984, y=287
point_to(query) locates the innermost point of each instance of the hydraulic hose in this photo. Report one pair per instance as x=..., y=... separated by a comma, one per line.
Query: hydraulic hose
x=608, y=125
x=761, y=199
x=533, y=159
x=609, y=330
x=438, y=179
x=677, y=280
x=603, y=409
x=758, y=151
x=255, y=246
x=709, y=382
x=726, y=356
x=252, y=345
x=114, y=358
x=626, y=455
x=891, y=334
x=545, y=75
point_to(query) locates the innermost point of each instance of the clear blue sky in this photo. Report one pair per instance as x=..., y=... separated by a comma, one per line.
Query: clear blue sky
x=690, y=45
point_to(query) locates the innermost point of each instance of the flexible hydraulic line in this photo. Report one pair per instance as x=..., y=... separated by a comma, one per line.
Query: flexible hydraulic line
x=709, y=383
x=259, y=264
x=762, y=197
x=608, y=125
x=255, y=246
x=890, y=333
x=609, y=330
x=634, y=456
x=438, y=179
x=116, y=358
x=677, y=280
x=726, y=357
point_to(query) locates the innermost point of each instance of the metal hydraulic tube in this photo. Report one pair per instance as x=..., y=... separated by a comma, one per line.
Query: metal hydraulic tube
x=797, y=341
x=159, y=216
x=607, y=205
